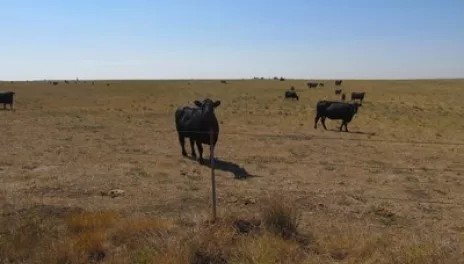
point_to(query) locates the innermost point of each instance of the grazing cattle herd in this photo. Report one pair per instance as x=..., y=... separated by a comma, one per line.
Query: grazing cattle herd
x=198, y=123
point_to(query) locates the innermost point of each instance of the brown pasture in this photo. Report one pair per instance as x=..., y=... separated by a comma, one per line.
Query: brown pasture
x=389, y=191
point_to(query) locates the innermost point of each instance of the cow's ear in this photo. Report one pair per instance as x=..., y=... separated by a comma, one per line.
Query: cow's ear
x=197, y=103
x=217, y=103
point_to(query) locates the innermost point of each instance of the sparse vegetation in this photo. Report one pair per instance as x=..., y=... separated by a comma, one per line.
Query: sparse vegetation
x=349, y=199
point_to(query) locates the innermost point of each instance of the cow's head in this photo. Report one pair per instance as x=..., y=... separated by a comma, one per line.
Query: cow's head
x=207, y=106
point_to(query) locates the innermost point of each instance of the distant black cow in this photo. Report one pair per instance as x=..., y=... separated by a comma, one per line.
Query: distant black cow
x=291, y=94
x=224, y=82
x=321, y=84
x=196, y=123
x=7, y=98
x=343, y=97
x=335, y=110
x=359, y=96
x=338, y=91
x=312, y=85
x=55, y=83
x=338, y=82
x=282, y=79
x=66, y=82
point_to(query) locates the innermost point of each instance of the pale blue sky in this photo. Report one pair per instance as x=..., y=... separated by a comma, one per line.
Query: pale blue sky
x=170, y=39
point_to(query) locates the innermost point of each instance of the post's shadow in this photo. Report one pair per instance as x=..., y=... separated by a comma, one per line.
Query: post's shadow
x=239, y=172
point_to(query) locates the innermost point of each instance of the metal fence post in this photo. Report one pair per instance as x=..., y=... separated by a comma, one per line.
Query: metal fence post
x=213, y=176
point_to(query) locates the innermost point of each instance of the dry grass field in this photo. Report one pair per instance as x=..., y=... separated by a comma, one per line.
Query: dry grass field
x=390, y=191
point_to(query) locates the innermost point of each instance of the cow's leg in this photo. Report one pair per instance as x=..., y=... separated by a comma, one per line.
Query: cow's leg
x=200, y=151
x=323, y=122
x=341, y=126
x=315, y=121
x=192, y=146
x=346, y=126
x=182, y=143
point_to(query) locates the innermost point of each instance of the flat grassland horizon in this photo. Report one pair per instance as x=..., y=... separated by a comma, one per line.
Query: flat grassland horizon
x=389, y=191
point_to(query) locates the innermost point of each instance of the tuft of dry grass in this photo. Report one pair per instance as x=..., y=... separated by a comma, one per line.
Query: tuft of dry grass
x=280, y=217
x=88, y=221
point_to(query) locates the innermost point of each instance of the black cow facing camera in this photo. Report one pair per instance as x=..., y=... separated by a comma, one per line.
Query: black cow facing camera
x=196, y=123
x=7, y=98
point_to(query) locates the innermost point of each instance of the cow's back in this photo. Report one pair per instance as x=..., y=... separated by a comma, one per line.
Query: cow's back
x=335, y=110
x=190, y=123
x=6, y=97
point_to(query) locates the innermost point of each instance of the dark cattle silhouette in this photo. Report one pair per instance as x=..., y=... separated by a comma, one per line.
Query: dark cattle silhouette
x=359, y=96
x=335, y=110
x=224, y=82
x=66, y=82
x=291, y=94
x=196, y=123
x=282, y=79
x=343, y=97
x=55, y=83
x=338, y=82
x=312, y=84
x=7, y=98
x=321, y=84
x=338, y=91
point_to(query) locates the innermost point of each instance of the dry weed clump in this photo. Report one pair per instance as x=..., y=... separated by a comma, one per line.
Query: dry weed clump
x=280, y=218
x=92, y=221
x=108, y=237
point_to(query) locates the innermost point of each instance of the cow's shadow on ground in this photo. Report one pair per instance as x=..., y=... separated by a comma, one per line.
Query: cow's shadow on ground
x=353, y=132
x=239, y=172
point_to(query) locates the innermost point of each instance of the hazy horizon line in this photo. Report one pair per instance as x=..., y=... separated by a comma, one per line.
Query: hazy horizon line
x=240, y=79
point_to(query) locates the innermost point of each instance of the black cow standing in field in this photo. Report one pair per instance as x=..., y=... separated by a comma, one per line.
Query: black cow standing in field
x=338, y=91
x=291, y=94
x=196, y=123
x=335, y=110
x=321, y=84
x=312, y=85
x=359, y=96
x=338, y=82
x=7, y=98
